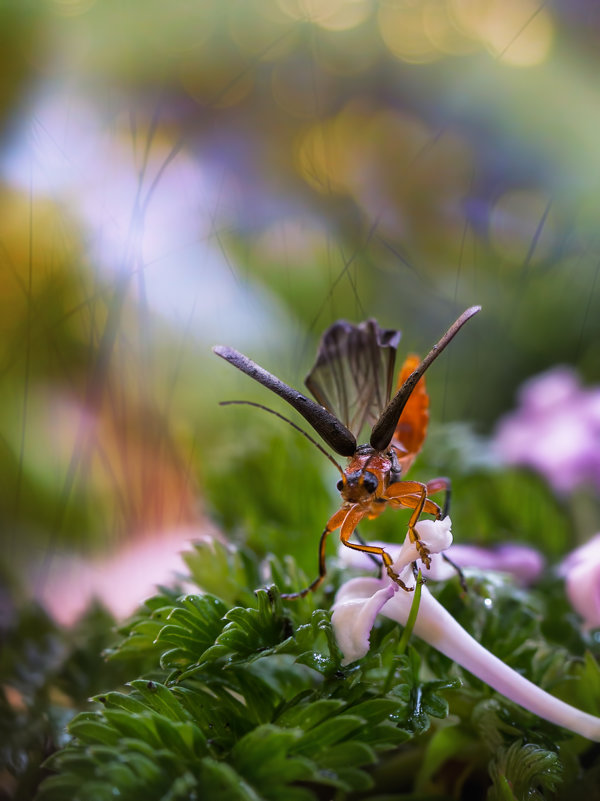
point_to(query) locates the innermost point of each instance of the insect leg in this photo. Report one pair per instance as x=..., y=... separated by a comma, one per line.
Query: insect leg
x=413, y=495
x=333, y=523
x=353, y=518
x=441, y=484
x=371, y=556
x=409, y=494
x=461, y=575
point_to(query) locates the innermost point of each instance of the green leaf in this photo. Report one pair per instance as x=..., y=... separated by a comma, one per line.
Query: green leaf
x=93, y=730
x=376, y=710
x=115, y=700
x=327, y=733
x=141, y=634
x=445, y=744
x=525, y=769
x=139, y=726
x=221, y=782
x=251, y=633
x=222, y=570
x=306, y=716
x=263, y=757
x=385, y=736
x=160, y=698
x=342, y=755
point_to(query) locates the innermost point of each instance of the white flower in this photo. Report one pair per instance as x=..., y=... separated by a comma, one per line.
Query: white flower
x=360, y=600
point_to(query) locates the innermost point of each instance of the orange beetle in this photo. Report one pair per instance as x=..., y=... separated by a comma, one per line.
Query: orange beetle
x=352, y=382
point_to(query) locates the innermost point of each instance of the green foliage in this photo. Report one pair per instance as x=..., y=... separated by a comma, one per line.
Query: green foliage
x=46, y=674
x=279, y=500
x=249, y=700
x=512, y=505
x=254, y=703
x=523, y=771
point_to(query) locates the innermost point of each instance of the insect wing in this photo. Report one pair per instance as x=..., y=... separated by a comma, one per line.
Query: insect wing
x=354, y=371
x=412, y=426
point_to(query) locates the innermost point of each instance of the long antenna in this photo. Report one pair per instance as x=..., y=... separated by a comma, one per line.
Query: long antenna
x=327, y=426
x=384, y=428
x=287, y=420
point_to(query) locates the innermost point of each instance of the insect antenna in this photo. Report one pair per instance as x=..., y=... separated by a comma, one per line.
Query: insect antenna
x=384, y=428
x=287, y=420
x=326, y=424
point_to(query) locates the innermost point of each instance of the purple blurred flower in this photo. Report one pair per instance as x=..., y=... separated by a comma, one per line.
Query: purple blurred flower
x=581, y=570
x=360, y=600
x=555, y=430
x=523, y=563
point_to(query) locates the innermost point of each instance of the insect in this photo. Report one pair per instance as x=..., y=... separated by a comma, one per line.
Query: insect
x=352, y=383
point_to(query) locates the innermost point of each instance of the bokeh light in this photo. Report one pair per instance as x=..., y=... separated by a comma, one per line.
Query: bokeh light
x=403, y=30
x=518, y=32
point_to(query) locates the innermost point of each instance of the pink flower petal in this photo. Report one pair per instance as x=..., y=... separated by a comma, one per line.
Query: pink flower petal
x=438, y=628
x=354, y=614
x=360, y=600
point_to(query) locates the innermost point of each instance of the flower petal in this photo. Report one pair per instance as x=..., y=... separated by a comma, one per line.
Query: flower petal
x=438, y=628
x=354, y=614
x=583, y=589
x=436, y=535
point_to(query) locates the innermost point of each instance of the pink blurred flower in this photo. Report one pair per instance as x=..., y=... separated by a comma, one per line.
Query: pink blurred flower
x=581, y=570
x=555, y=430
x=360, y=600
x=120, y=581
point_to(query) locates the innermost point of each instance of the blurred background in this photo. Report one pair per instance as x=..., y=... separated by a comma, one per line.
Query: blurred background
x=175, y=175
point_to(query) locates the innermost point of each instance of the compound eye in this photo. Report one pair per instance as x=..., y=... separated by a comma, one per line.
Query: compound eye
x=370, y=482
x=340, y=485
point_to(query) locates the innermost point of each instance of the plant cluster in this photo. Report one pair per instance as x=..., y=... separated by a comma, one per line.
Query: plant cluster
x=233, y=694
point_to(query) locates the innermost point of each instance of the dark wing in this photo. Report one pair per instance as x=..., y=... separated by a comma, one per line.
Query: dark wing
x=354, y=372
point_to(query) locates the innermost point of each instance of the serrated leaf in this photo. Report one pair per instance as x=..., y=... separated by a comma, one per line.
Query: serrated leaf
x=385, y=736
x=183, y=738
x=141, y=631
x=160, y=699
x=222, y=717
x=376, y=710
x=263, y=757
x=221, y=569
x=93, y=731
x=348, y=753
x=260, y=697
x=327, y=733
x=138, y=726
x=251, y=633
x=524, y=768
x=116, y=700
x=353, y=779
x=220, y=782
x=306, y=716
